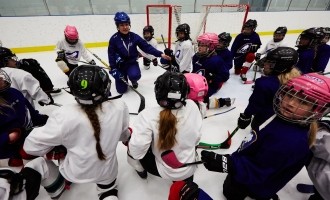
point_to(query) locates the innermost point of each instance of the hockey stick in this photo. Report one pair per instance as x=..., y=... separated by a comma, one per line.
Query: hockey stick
x=171, y=160
x=142, y=99
x=219, y=113
x=305, y=188
x=172, y=56
x=224, y=145
x=254, y=76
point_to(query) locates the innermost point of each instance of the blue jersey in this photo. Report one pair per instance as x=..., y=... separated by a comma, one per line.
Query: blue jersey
x=227, y=56
x=244, y=44
x=305, y=60
x=125, y=46
x=213, y=68
x=261, y=100
x=268, y=159
x=19, y=115
x=322, y=58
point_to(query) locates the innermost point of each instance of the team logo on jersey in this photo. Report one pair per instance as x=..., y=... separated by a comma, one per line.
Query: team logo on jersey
x=244, y=49
x=73, y=54
x=201, y=72
x=84, y=84
x=248, y=140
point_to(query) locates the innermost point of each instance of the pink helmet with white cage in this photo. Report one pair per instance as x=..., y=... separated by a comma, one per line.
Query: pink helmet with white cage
x=198, y=86
x=209, y=39
x=311, y=88
x=71, y=32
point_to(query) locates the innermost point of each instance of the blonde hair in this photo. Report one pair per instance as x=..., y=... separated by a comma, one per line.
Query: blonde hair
x=94, y=119
x=285, y=77
x=167, y=129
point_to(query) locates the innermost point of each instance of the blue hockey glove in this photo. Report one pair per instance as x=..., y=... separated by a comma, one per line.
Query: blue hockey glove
x=116, y=74
x=119, y=61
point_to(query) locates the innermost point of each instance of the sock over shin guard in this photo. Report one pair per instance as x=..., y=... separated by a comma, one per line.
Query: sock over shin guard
x=107, y=192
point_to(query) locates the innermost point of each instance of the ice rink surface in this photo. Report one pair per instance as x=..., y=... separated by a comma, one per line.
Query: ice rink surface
x=214, y=130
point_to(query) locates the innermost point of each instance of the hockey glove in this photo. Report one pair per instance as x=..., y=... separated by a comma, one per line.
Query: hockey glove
x=115, y=73
x=60, y=56
x=155, y=62
x=92, y=62
x=119, y=61
x=216, y=162
x=243, y=121
x=16, y=180
x=258, y=55
x=57, y=153
x=168, y=52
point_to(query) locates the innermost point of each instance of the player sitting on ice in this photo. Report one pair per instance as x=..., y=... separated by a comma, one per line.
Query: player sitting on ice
x=148, y=35
x=212, y=67
x=277, y=41
x=184, y=51
x=222, y=49
x=244, y=46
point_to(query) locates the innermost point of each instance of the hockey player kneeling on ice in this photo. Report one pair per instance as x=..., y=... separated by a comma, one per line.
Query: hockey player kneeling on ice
x=173, y=125
x=17, y=119
x=83, y=129
x=270, y=157
x=223, y=51
x=279, y=67
x=212, y=67
x=148, y=35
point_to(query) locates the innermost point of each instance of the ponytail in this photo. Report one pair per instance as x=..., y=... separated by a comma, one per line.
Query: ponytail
x=313, y=128
x=167, y=130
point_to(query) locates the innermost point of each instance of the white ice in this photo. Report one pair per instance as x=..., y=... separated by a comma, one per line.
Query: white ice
x=214, y=130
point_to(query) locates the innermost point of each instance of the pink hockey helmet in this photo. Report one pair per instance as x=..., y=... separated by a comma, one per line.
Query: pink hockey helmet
x=198, y=86
x=209, y=39
x=71, y=32
x=311, y=88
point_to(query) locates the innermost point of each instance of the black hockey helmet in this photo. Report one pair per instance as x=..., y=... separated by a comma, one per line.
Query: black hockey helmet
x=282, y=59
x=225, y=38
x=149, y=29
x=314, y=35
x=185, y=28
x=281, y=30
x=90, y=84
x=171, y=90
x=5, y=81
x=5, y=55
x=251, y=23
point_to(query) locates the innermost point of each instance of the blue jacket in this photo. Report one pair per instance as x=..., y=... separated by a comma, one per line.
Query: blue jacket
x=268, y=159
x=125, y=46
x=242, y=45
x=227, y=56
x=305, y=60
x=322, y=58
x=261, y=100
x=213, y=68
x=21, y=115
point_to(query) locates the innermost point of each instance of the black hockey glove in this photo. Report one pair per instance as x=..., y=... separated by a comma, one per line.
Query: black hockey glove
x=16, y=180
x=189, y=191
x=51, y=101
x=92, y=62
x=243, y=121
x=258, y=55
x=60, y=56
x=155, y=62
x=216, y=162
x=168, y=52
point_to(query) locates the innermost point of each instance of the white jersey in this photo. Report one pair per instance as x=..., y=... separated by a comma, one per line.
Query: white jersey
x=271, y=45
x=69, y=126
x=153, y=43
x=184, y=51
x=73, y=53
x=319, y=167
x=145, y=134
x=27, y=84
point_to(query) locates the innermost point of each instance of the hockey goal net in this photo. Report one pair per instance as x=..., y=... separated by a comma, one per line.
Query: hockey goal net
x=164, y=19
x=221, y=18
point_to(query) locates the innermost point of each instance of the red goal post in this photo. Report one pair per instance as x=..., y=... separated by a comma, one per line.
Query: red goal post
x=221, y=18
x=164, y=19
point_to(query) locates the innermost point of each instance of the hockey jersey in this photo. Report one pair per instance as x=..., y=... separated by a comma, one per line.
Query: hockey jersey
x=305, y=60
x=271, y=45
x=73, y=52
x=227, y=56
x=322, y=58
x=183, y=53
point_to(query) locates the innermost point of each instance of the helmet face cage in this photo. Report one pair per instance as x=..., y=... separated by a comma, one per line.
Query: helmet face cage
x=89, y=84
x=198, y=86
x=250, y=24
x=5, y=55
x=225, y=39
x=279, y=32
x=312, y=97
x=184, y=28
x=281, y=59
x=208, y=39
x=5, y=81
x=171, y=90
x=121, y=18
x=149, y=29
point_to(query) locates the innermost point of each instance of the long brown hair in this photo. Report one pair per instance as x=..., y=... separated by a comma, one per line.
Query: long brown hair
x=167, y=129
x=313, y=128
x=90, y=110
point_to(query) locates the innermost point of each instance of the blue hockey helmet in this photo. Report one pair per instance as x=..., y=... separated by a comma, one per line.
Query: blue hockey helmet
x=122, y=17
